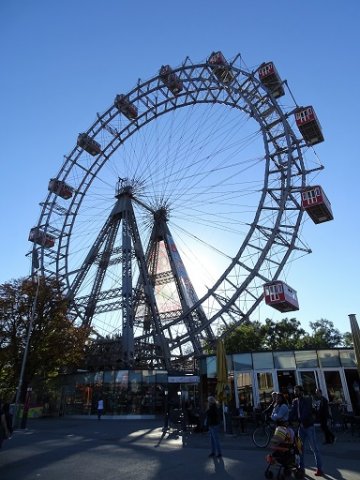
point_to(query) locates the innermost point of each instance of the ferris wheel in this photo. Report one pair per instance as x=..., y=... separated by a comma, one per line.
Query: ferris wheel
x=177, y=205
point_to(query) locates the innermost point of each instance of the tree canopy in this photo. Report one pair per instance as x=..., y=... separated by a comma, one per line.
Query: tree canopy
x=55, y=343
x=286, y=334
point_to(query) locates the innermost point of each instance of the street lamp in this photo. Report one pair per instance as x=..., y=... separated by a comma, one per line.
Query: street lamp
x=24, y=359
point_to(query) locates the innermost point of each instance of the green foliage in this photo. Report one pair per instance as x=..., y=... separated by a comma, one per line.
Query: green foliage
x=55, y=344
x=283, y=335
x=244, y=338
x=286, y=334
x=348, y=340
x=325, y=335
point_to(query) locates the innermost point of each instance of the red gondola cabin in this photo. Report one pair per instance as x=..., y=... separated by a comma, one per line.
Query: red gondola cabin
x=41, y=238
x=220, y=67
x=270, y=78
x=89, y=144
x=280, y=296
x=316, y=204
x=123, y=104
x=60, y=188
x=308, y=125
x=170, y=79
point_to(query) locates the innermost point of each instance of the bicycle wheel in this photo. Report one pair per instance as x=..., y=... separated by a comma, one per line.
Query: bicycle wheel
x=261, y=436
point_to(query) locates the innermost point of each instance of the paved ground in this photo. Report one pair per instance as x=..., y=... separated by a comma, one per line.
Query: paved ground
x=88, y=449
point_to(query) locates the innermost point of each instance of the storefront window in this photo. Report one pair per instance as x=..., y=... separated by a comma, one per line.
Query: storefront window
x=287, y=381
x=308, y=381
x=284, y=360
x=211, y=367
x=329, y=358
x=306, y=359
x=263, y=360
x=135, y=392
x=121, y=392
x=334, y=387
x=109, y=377
x=347, y=358
x=242, y=361
x=265, y=386
x=98, y=379
x=203, y=366
x=244, y=390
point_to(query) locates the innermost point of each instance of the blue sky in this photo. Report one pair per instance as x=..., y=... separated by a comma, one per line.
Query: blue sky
x=64, y=61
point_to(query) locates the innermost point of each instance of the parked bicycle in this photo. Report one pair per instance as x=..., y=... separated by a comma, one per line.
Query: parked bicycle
x=262, y=435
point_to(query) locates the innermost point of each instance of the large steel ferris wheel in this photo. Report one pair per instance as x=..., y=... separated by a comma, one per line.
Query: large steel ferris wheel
x=175, y=207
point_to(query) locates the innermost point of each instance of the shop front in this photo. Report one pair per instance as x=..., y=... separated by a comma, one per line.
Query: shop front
x=254, y=376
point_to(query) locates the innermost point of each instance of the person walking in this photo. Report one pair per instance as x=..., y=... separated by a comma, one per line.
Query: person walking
x=301, y=411
x=324, y=416
x=212, y=420
x=100, y=408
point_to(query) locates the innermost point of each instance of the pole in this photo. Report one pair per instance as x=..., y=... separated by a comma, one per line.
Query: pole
x=26, y=351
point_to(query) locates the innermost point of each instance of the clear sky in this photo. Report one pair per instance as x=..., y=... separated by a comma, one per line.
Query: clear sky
x=61, y=62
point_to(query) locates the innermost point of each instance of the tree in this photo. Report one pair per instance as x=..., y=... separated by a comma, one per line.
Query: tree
x=247, y=337
x=286, y=334
x=325, y=335
x=283, y=335
x=347, y=340
x=55, y=343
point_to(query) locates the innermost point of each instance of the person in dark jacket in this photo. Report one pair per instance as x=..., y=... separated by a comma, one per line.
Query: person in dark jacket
x=213, y=424
x=301, y=411
x=4, y=431
x=323, y=416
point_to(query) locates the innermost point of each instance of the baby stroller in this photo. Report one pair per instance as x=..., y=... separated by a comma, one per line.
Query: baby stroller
x=285, y=447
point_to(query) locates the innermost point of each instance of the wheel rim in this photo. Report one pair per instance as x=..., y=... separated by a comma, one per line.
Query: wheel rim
x=185, y=154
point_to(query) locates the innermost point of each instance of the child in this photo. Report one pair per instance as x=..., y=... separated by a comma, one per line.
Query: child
x=281, y=444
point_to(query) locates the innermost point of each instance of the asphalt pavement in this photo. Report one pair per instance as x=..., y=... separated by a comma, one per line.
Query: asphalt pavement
x=88, y=449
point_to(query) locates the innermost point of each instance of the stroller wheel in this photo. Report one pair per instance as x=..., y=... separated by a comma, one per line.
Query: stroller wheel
x=299, y=474
x=269, y=474
x=286, y=475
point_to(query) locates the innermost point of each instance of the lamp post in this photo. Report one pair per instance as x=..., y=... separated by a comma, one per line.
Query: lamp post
x=167, y=410
x=24, y=359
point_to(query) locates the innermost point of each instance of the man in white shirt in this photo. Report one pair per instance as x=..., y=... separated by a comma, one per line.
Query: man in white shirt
x=100, y=408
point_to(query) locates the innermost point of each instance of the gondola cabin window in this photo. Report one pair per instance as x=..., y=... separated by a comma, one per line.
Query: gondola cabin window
x=309, y=125
x=316, y=204
x=39, y=237
x=220, y=67
x=280, y=296
x=170, y=79
x=269, y=77
x=60, y=188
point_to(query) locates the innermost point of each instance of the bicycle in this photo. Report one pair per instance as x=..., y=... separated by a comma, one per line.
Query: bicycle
x=261, y=435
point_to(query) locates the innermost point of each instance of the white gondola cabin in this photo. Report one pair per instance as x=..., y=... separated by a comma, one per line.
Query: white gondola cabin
x=220, y=67
x=270, y=78
x=41, y=238
x=280, y=296
x=170, y=79
x=316, y=204
x=309, y=125
x=123, y=104
x=89, y=144
x=60, y=188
